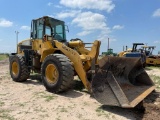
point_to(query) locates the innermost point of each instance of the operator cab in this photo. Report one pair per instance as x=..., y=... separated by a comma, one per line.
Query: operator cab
x=134, y=48
x=48, y=26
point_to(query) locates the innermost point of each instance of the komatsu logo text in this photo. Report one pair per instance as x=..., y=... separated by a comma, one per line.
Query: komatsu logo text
x=69, y=50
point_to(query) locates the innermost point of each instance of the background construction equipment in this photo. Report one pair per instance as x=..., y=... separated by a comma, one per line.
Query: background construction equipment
x=135, y=53
x=151, y=59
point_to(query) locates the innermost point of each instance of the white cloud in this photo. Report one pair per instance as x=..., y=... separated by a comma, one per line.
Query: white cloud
x=49, y=4
x=25, y=28
x=65, y=14
x=156, y=41
x=84, y=33
x=112, y=39
x=104, y=35
x=52, y=16
x=5, y=23
x=117, y=27
x=90, y=21
x=156, y=13
x=58, y=6
x=106, y=5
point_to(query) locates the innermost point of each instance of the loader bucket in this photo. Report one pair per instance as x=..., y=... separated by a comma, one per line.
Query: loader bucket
x=121, y=82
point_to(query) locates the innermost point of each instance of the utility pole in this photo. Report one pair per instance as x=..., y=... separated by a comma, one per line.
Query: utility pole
x=108, y=44
x=17, y=39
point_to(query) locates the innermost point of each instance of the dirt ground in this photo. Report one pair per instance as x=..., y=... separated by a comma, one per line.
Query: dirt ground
x=29, y=100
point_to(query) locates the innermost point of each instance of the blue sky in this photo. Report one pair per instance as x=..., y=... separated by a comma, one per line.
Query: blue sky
x=123, y=21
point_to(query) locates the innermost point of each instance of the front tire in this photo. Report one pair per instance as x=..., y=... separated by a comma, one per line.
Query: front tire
x=57, y=73
x=18, y=70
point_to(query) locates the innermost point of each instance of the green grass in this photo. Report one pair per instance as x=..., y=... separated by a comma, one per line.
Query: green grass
x=1, y=103
x=44, y=95
x=101, y=112
x=86, y=103
x=152, y=67
x=48, y=97
x=3, y=57
x=3, y=94
x=63, y=109
x=58, y=118
x=4, y=115
x=40, y=109
x=156, y=80
x=44, y=115
x=20, y=104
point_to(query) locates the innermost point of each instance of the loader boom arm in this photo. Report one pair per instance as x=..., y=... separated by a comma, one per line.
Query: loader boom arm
x=74, y=56
x=77, y=62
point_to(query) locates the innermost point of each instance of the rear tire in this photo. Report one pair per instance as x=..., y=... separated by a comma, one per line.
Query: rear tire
x=18, y=70
x=57, y=73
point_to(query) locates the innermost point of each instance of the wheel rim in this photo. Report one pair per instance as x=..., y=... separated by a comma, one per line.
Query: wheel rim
x=15, y=68
x=51, y=74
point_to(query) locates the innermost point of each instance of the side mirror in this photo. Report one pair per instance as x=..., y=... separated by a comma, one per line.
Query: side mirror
x=31, y=35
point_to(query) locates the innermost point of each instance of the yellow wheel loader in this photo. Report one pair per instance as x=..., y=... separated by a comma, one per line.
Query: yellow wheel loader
x=134, y=52
x=151, y=59
x=112, y=80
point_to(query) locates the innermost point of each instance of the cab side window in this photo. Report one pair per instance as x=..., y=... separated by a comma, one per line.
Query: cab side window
x=48, y=30
x=39, y=30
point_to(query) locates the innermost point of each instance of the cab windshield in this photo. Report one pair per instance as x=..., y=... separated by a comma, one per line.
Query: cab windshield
x=55, y=28
x=49, y=26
